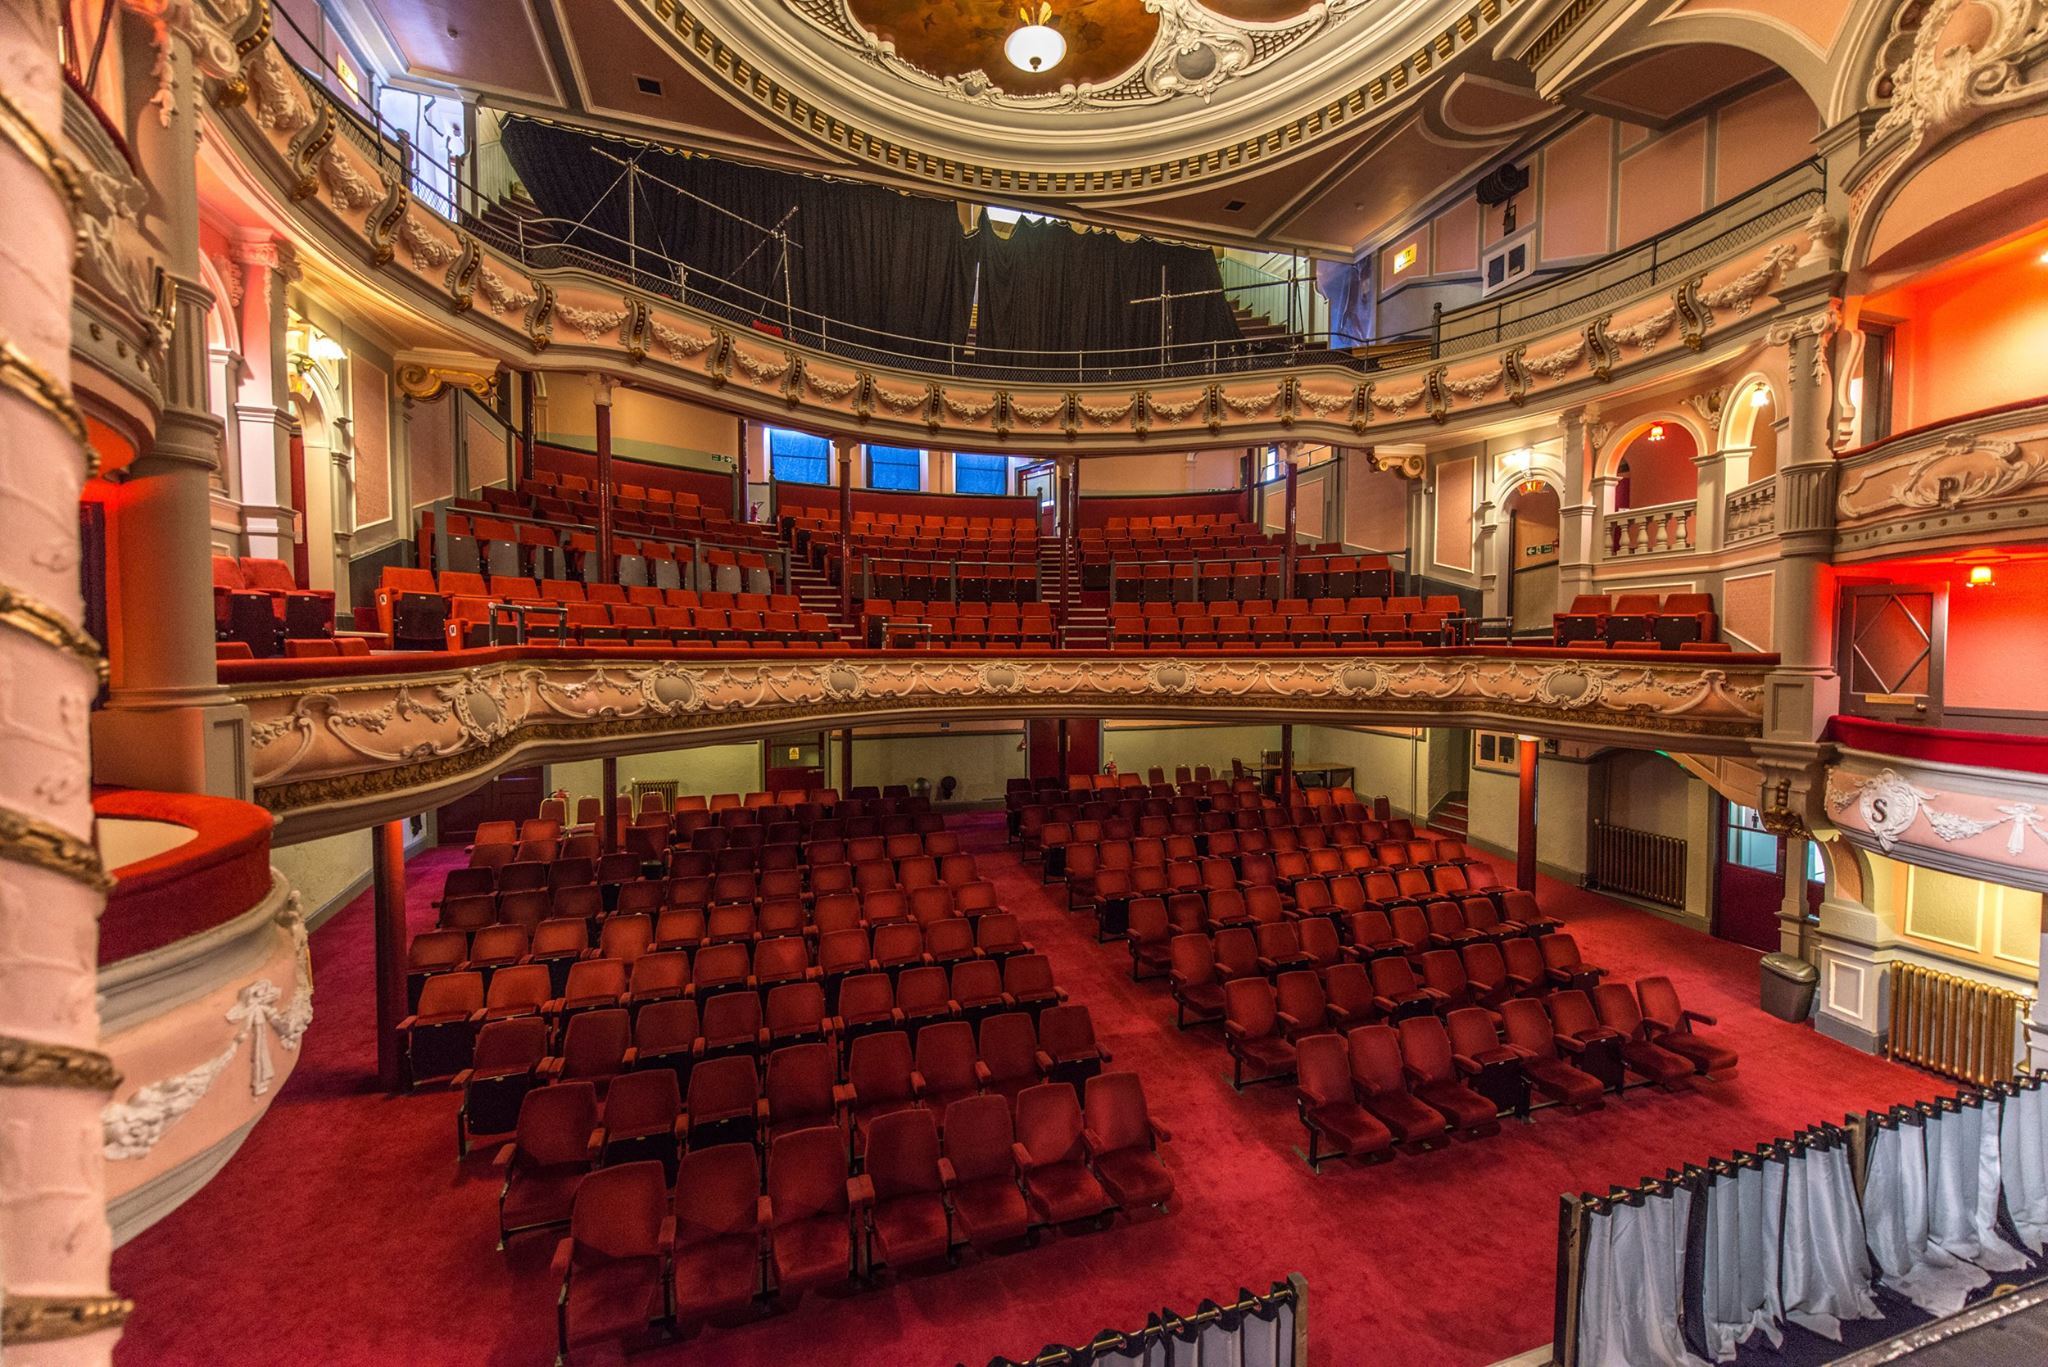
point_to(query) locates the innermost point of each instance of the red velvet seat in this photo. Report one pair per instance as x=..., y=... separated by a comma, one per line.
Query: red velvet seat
x=882, y=1080
x=1585, y=620
x=665, y=1035
x=547, y=1158
x=1009, y=1054
x=1337, y=1125
x=1617, y=1009
x=612, y=1265
x=945, y=1063
x=1564, y=967
x=501, y=1073
x=722, y=1102
x=1530, y=1036
x=1670, y=1026
x=809, y=1210
x=1397, y=992
x=1382, y=1087
x=802, y=1091
x=596, y=1047
x=1123, y=1141
x=717, y=1258
x=1253, y=1034
x=980, y=1171
x=1433, y=1077
x=438, y=1037
x=1053, y=1157
x=1590, y=1045
x=907, y=1218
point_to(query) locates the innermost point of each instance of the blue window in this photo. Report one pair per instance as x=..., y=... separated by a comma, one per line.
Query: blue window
x=895, y=467
x=799, y=457
x=981, y=474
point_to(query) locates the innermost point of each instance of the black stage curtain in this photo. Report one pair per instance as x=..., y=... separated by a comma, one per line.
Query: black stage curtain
x=1050, y=288
x=871, y=258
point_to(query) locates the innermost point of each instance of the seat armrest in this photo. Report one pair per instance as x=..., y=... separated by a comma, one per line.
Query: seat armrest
x=1288, y=1022
x=860, y=1191
x=503, y=1157
x=764, y=1212
x=917, y=1087
x=1415, y=1078
x=1044, y=1061
x=1385, y=1004
x=843, y=1095
x=460, y=1080
x=1021, y=1156
x=668, y=1231
x=1160, y=1134
x=1092, y=1142
x=594, y=1145
x=559, y=1267
x=408, y=1023
x=982, y=1075
x=1234, y=1029
x=550, y=1068
x=1696, y=1018
x=1465, y=1063
x=761, y=1110
x=1570, y=1044
x=948, y=1178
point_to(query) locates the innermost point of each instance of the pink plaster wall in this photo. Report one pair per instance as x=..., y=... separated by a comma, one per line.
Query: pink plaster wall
x=1760, y=135
x=1746, y=606
x=1454, y=486
x=1457, y=237
x=1577, y=175
x=370, y=405
x=1972, y=338
x=1665, y=183
x=1662, y=471
x=430, y=441
x=1375, y=508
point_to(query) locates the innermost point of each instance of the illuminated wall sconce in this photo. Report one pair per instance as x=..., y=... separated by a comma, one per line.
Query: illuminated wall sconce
x=1656, y=432
x=1982, y=577
x=1759, y=396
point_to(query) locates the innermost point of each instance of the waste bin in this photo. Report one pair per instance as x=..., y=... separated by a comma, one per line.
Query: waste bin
x=1788, y=986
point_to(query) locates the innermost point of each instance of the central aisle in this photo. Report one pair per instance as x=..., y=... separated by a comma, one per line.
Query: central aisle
x=355, y=1238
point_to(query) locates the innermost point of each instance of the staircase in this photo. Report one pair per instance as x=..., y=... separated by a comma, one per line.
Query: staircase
x=1086, y=623
x=1258, y=328
x=819, y=594
x=1451, y=816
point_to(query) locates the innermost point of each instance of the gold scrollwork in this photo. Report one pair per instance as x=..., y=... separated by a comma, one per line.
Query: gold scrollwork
x=32, y=382
x=423, y=382
x=25, y=840
x=36, y=148
x=38, y=619
x=30, y=1063
x=44, y=1319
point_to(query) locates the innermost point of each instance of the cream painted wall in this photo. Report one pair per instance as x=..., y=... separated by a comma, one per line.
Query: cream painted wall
x=1561, y=794
x=1162, y=472
x=1386, y=764
x=1137, y=747
x=326, y=872
x=1646, y=792
x=984, y=762
x=650, y=427
x=704, y=769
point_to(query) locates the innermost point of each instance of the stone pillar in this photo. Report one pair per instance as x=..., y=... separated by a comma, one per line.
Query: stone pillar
x=845, y=760
x=262, y=404
x=526, y=378
x=1580, y=504
x=1493, y=583
x=166, y=725
x=1525, y=813
x=387, y=878
x=1710, y=500
x=54, y=1081
x=607, y=567
x=842, y=455
x=1288, y=509
x=1801, y=694
x=1792, y=924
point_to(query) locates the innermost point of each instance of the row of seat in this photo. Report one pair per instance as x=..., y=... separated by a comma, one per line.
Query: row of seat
x=735, y=1228
x=1234, y=629
x=1638, y=619
x=945, y=575
x=1203, y=580
x=1354, y=845
x=258, y=604
x=645, y=548
x=552, y=482
x=414, y=607
x=1092, y=886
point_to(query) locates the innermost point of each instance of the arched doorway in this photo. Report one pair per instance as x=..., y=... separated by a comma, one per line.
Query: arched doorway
x=1532, y=547
x=1655, y=486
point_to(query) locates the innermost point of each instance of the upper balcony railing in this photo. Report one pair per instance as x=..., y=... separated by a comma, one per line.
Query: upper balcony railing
x=537, y=243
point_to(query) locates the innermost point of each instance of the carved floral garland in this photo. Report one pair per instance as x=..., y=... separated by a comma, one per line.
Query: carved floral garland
x=1889, y=805
x=1553, y=364
x=834, y=390
x=1472, y=386
x=1397, y=404
x=1097, y=413
x=1244, y=405
x=761, y=372
x=499, y=294
x=352, y=189
x=592, y=323
x=428, y=252
x=1322, y=405
x=1745, y=289
x=898, y=403
x=679, y=346
x=1036, y=417
x=1644, y=333
x=130, y=1129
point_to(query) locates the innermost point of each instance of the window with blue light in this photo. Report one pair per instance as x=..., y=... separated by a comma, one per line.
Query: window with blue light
x=981, y=474
x=799, y=457
x=895, y=467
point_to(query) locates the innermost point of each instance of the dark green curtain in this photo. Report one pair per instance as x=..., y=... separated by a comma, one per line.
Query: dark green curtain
x=874, y=260
x=1050, y=288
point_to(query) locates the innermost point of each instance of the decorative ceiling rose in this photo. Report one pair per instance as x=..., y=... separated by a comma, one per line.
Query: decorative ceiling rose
x=1037, y=46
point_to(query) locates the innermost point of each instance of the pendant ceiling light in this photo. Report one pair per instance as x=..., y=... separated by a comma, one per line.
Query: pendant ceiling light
x=1037, y=46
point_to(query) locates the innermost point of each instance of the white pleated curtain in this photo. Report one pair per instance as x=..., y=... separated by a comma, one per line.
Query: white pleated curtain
x=2023, y=1164
x=1931, y=1194
x=1781, y=1241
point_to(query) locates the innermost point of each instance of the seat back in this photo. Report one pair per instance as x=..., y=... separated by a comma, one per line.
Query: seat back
x=1322, y=1069
x=1009, y=1046
x=1066, y=1032
x=902, y=1155
x=945, y=1056
x=555, y=1124
x=1049, y=1123
x=799, y=1082
x=1375, y=1057
x=618, y=1211
x=1115, y=1112
x=1572, y=1013
x=807, y=1174
x=718, y=1193
x=665, y=1025
x=1249, y=1004
x=979, y=1134
x=1426, y=1049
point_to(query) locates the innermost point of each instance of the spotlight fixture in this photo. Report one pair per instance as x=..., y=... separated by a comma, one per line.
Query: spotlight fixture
x=1037, y=46
x=1982, y=577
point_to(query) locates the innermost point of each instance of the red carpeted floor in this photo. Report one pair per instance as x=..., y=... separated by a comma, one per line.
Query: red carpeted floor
x=346, y=1233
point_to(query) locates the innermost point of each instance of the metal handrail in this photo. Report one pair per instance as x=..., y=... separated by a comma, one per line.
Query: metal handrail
x=964, y=359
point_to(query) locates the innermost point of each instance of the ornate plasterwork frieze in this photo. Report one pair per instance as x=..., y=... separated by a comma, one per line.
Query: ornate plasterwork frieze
x=130, y=1128
x=1195, y=52
x=1989, y=825
x=326, y=740
x=809, y=68
x=1958, y=470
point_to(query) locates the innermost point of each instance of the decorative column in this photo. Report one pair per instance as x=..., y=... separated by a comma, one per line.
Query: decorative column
x=1493, y=585
x=271, y=518
x=526, y=385
x=739, y=472
x=606, y=567
x=1288, y=514
x=1711, y=499
x=387, y=877
x=842, y=455
x=608, y=779
x=54, y=1081
x=1287, y=763
x=166, y=725
x=1801, y=695
x=1525, y=813
x=1580, y=503
x=845, y=760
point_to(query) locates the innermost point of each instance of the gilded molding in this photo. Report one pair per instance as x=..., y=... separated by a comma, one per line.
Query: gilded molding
x=29, y=1063
x=25, y=840
x=419, y=381
x=304, y=151
x=234, y=90
x=39, y=152
x=30, y=617
x=30, y=381
x=462, y=273
x=385, y=220
x=47, y=1319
